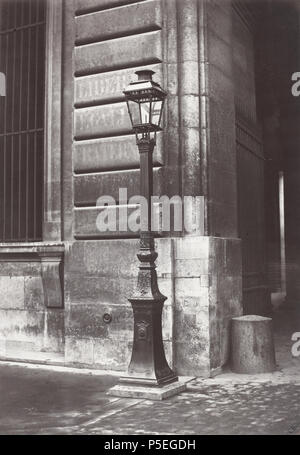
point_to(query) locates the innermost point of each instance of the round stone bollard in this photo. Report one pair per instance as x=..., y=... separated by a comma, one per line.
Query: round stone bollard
x=252, y=345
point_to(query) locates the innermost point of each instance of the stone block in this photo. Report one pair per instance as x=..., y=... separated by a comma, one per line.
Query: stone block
x=95, y=222
x=11, y=292
x=79, y=350
x=171, y=114
x=190, y=75
x=111, y=258
x=223, y=137
x=143, y=49
x=219, y=53
x=90, y=187
x=23, y=326
x=167, y=321
x=133, y=19
x=217, y=257
x=74, y=256
x=164, y=248
x=219, y=21
x=97, y=121
x=223, y=190
x=94, y=290
x=115, y=153
x=85, y=6
x=191, y=268
x=86, y=321
x=54, y=333
x=223, y=219
x=112, y=353
x=188, y=287
x=190, y=117
x=34, y=293
x=192, y=248
x=192, y=358
x=20, y=268
x=233, y=258
x=108, y=86
x=172, y=77
x=191, y=322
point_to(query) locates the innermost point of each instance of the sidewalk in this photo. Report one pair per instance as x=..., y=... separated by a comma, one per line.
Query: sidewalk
x=56, y=400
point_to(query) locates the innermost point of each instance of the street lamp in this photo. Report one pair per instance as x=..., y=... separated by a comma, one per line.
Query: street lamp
x=148, y=365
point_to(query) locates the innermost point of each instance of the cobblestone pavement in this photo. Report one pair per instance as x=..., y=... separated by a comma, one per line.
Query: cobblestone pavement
x=49, y=400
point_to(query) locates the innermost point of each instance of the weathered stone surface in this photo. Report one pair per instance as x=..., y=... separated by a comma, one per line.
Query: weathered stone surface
x=54, y=331
x=97, y=121
x=218, y=22
x=192, y=248
x=108, y=86
x=252, y=346
x=113, y=353
x=86, y=320
x=109, y=291
x=112, y=258
x=92, y=5
x=103, y=285
x=223, y=204
x=11, y=292
x=79, y=350
x=26, y=325
x=20, y=325
x=191, y=268
x=88, y=224
x=89, y=187
x=144, y=49
x=112, y=153
x=233, y=258
x=19, y=268
x=190, y=358
x=112, y=221
x=34, y=293
x=148, y=393
x=129, y=19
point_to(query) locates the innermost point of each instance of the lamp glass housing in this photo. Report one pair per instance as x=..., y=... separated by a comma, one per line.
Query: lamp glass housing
x=145, y=100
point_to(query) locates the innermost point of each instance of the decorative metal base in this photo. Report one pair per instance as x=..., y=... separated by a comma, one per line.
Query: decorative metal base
x=148, y=365
x=157, y=382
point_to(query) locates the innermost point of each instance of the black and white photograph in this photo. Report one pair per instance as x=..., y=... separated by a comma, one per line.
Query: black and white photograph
x=149, y=220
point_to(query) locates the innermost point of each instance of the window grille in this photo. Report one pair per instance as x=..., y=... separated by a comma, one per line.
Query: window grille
x=22, y=61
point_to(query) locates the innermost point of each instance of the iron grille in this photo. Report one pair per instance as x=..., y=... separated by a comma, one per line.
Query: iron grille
x=22, y=60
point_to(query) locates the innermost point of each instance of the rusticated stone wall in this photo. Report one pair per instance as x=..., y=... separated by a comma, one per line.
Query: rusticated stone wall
x=31, y=300
x=110, y=45
x=189, y=46
x=195, y=155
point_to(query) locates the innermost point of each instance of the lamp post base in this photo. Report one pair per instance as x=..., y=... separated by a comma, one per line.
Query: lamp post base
x=148, y=365
x=150, y=393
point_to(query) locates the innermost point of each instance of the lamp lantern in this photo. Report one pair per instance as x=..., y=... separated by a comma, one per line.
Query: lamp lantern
x=145, y=101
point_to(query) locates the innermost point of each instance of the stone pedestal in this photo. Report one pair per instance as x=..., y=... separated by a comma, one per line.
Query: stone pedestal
x=252, y=346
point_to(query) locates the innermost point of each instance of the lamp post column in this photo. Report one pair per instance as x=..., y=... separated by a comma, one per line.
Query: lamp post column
x=148, y=365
